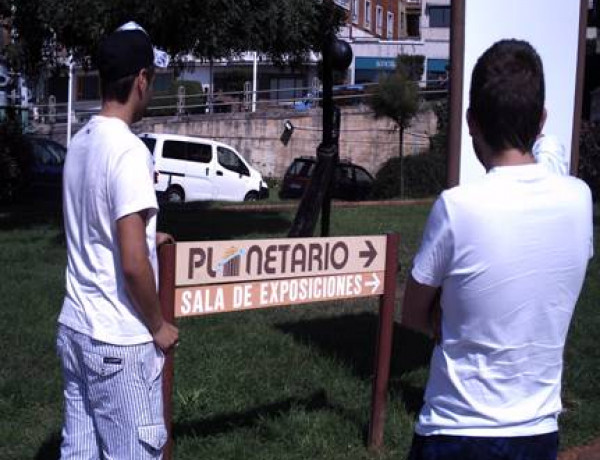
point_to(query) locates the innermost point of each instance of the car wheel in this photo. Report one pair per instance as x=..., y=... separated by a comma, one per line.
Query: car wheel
x=174, y=195
x=251, y=196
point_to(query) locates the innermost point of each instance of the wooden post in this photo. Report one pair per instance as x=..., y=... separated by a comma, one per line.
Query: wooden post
x=166, y=293
x=383, y=350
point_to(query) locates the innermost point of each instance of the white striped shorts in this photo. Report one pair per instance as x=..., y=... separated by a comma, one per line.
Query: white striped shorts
x=113, y=399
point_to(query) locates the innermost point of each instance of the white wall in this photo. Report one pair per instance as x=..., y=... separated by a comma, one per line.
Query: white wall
x=552, y=27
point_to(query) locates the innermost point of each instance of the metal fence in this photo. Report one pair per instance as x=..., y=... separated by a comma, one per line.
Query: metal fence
x=183, y=104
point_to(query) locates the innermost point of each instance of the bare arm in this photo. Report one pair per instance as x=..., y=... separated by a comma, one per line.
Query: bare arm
x=421, y=309
x=139, y=278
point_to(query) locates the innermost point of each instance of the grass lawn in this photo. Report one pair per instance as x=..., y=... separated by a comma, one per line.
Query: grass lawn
x=282, y=383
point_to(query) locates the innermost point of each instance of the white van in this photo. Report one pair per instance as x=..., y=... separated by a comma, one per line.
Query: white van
x=192, y=168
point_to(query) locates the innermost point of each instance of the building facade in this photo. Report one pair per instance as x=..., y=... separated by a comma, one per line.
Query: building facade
x=377, y=30
x=380, y=30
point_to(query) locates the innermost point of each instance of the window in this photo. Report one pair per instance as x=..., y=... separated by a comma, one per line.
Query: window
x=390, y=25
x=302, y=168
x=57, y=150
x=343, y=174
x=150, y=143
x=401, y=24
x=437, y=73
x=174, y=150
x=287, y=89
x=412, y=25
x=229, y=160
x=368, y=14
x=88, y=88
x=363, y=177
x=200, y=153
x=439, y=16
x=379, y=20
x=162, y=81
x=355, y=9
x=47, y=153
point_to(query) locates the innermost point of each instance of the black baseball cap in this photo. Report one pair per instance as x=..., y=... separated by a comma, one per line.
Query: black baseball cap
x=125, y=52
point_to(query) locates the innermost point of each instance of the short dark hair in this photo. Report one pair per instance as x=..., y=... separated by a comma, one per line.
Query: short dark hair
x=507, y=95
x=120, y=89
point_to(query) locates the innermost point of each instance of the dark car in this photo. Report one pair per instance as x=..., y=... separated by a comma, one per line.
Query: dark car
x=351, y=182
x=36, y=172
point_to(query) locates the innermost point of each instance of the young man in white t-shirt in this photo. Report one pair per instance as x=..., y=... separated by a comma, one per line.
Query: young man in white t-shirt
x=111, y=335
x=509, y=253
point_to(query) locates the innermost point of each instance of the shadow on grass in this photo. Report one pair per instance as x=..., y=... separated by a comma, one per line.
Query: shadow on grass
x=352, y=338
x=29, y=214
x=224, y=423
x=199, y=221
x=50, y=449
x=221, y=424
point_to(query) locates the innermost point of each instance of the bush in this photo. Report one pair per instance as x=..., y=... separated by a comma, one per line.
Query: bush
x=589, y=157
x=424, y=174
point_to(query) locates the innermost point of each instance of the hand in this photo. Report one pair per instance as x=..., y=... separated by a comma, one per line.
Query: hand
x=163, y=238
x=166, y=337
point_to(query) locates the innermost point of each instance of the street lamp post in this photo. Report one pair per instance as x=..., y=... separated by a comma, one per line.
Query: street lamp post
x=336, y=54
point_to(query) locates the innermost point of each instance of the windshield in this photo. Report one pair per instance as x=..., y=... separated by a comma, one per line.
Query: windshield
x=150, y=143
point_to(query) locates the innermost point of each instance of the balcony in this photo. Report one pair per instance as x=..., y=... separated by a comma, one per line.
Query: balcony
x=413, y=5
x=343, y=3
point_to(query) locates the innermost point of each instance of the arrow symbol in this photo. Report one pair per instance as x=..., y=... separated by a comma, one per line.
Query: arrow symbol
x=370, y=254
x=374, y=284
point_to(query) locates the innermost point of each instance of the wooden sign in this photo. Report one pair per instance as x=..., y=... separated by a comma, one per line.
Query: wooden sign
x=219, y=262
x=223, y=298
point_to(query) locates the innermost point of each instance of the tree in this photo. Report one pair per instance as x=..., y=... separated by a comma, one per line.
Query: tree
x=412, y=64
x=396, y=97
x=285, y=30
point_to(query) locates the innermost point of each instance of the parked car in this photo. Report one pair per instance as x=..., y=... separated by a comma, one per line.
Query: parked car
x=351, y=181
x=35, y=171
x=193, y=168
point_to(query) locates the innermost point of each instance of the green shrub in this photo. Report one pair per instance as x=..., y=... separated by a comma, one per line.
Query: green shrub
x=424, y=174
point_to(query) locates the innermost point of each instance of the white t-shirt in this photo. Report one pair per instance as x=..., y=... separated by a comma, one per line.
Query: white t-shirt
x=108, y=174
x=510, y=253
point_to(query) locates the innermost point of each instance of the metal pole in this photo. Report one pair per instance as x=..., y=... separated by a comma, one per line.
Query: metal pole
x=166, y=293
x=327, y=90
x=383, y=352
x=70, y=100
x=254, y=80
x=328, y=121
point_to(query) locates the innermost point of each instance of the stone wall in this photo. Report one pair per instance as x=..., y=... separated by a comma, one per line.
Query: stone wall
x=363, y=140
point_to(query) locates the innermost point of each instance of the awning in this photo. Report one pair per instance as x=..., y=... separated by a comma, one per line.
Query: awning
x=375, y=63
x=436, y=65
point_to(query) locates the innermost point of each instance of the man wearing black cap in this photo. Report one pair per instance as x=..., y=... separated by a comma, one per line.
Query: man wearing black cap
x=111, y=334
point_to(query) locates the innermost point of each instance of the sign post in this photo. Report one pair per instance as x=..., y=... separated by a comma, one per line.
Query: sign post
x=383, y=352
x=166, y=294
x=210, y=277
